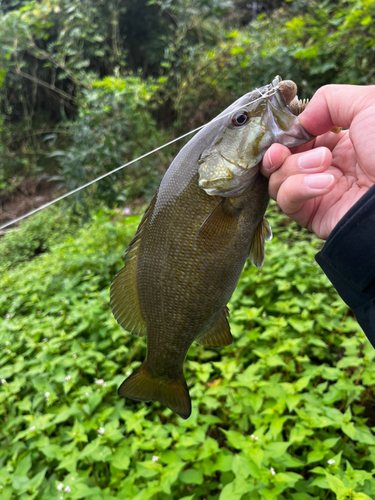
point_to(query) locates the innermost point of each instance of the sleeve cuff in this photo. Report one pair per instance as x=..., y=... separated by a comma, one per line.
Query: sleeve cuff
x=348, y=260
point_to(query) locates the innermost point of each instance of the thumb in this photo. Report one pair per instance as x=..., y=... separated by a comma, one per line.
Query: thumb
x=336, y=106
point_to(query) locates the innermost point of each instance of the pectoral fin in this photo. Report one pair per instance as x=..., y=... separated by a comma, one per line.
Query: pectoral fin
x=219, y=224
x=218, y=335
x=262, y=233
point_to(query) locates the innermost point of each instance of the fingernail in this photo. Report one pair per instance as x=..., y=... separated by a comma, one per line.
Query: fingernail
x=272, y=166
x=312, y=159
x=319, y=181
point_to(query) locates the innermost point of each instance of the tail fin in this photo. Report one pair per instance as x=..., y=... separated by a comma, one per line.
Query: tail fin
x=142, y=386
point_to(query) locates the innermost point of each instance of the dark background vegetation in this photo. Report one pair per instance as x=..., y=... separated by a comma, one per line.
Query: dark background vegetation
x=287, y=411
x=87, y=85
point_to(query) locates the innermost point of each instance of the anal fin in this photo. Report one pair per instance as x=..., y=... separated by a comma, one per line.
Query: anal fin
x=218, y=335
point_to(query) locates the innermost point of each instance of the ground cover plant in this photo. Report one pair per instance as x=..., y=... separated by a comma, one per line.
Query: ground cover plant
x=285, y=413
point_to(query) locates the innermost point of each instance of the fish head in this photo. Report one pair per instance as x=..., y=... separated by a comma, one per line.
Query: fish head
x=247, y=129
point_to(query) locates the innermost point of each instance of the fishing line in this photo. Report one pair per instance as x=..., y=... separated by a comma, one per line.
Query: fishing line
x=268, y=93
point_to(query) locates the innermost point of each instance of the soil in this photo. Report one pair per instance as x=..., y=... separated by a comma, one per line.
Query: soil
x=29, y=194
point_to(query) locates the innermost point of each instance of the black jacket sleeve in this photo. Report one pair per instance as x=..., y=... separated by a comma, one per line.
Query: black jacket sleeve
x=348, y=259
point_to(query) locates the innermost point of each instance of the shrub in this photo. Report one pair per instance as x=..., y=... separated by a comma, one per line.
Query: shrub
x=114, y=126
x=36, y=235
x=284, y=413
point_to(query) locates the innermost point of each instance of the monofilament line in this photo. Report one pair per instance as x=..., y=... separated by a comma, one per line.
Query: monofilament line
x=269, y=93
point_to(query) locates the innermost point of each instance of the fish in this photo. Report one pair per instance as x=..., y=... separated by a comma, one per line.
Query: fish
x=205, y=220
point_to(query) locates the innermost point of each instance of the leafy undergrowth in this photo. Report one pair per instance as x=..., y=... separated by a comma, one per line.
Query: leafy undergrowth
x=285, y=413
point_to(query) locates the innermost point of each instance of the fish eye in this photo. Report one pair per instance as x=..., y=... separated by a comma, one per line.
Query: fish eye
x=240, y=118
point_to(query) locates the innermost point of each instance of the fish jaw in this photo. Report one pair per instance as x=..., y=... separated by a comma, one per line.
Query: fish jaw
x=227, y=176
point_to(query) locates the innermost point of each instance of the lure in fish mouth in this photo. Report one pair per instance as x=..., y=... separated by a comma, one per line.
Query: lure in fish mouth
x=259, y=119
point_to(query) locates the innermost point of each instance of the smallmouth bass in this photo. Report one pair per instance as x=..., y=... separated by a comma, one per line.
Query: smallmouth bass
x=204, y=221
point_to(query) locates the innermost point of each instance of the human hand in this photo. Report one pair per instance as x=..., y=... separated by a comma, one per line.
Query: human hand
x=317, y=183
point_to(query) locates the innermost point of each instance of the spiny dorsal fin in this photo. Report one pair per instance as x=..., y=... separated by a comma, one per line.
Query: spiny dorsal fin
x=143, y=386
x=124, y=292
x=219, y=335
x=262, y=233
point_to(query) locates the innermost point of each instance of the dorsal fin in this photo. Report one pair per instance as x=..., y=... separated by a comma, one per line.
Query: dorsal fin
x=218, y=335
x=124, y=292
x=262, y=233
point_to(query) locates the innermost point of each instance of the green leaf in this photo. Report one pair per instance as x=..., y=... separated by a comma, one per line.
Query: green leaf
x=336, y=485
x=37, y=480
x=192, y=476
x=361, y=496
x=366, y=21
x=235, y=489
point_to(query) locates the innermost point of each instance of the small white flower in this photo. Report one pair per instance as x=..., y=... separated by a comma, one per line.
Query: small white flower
x=7, y=316
x=67, y=489
x=252, y=436
x=272, y=471
x=74, y=434
x=152, y=440
x=47, y=394
x=127, y=211
x=8, y=351
x=256, y=438
x=32, y=428
x=100, y=382
x=6, y=342
x=86, y=394
x=74, y=356
x=100, y=430
x=155, y=458
x=60, y=487
x=128, y=373
x=331, y=461
x=88, y=271
x=45, y=340
x=67, y=378
x=3, y=381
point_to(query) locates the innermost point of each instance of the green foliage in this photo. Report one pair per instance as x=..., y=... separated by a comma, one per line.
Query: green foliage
x=194, y=57
x=35, y=236
x=284, y=413
x=114, y=125
x=51, y=52
x=312, y=44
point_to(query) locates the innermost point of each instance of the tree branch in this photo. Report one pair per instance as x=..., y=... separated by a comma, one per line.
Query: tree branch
x=44, y=84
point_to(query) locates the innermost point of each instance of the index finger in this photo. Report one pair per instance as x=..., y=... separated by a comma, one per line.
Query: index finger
x=336, y=106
